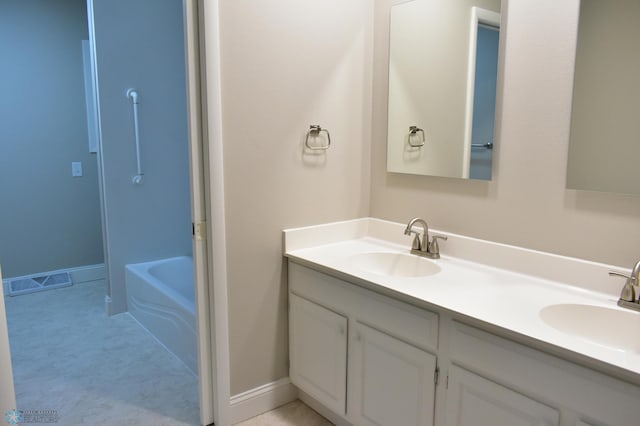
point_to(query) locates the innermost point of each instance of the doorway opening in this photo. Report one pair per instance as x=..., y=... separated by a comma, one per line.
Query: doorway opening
x=89, y=362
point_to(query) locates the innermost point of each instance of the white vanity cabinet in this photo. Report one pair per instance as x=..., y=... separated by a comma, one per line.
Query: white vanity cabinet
x=383, y=373
x=374, y=360
x=377, y=343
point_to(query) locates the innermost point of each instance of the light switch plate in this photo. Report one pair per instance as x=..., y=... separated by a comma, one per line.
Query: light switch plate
x=76, y=169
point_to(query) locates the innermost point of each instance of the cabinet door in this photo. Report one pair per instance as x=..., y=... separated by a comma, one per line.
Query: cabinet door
x=475, y=401
x=392, y=382
x=318, y=352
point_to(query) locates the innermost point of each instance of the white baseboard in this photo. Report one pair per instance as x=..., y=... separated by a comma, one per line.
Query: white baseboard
x=79, y=274
x=262, y=399
x=83, y=274
x=322, y=410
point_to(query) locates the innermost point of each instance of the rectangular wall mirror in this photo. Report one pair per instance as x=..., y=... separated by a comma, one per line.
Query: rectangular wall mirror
x=443, y=68
x=604, y=148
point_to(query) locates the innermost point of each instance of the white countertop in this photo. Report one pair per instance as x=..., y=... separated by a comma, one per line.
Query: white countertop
x=500, y=296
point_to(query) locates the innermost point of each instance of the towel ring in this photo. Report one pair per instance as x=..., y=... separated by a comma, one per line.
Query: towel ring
x=314, y=132
x=413, y=131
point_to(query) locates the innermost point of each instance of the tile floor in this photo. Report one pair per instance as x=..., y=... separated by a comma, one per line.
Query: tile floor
x=69, y=356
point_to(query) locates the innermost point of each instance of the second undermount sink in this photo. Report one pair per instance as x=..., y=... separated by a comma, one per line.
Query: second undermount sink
x=610, y=327
x=395, y=264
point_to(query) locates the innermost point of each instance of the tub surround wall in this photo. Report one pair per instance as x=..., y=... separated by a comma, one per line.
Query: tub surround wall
x=49, y=220
x=526, y=204
x=153, y=220
x=285, y=65
x=161, y=297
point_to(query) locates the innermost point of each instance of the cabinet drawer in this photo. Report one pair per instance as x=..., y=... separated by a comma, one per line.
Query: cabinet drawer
x=406, y=322
x=475, y=401
x=546, y=378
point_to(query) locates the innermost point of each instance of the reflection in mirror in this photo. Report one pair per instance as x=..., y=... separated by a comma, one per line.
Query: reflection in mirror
x=443, y=64
x=604, y=149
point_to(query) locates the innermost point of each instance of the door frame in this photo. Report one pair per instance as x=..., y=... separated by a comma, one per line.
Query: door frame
x=207, y=199
x=7, y=393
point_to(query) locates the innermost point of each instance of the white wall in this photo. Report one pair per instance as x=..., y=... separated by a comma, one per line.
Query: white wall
x=140, y=44
x=526, y=204
x=282, y=71
x=49, y=220
x=287, y=64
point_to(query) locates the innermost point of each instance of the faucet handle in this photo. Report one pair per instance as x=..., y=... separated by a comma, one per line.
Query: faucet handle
x=628, y=293
x=416, y=244
x=433, y=245
x=619, y=274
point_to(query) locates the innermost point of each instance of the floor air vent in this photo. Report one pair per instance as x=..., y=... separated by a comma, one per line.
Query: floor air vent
x=24, y=285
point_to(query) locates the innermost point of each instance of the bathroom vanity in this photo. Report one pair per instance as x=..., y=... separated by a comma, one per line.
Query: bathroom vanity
x=489, y=334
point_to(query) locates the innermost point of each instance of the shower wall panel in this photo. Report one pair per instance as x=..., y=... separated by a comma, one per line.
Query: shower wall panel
x=139, y=44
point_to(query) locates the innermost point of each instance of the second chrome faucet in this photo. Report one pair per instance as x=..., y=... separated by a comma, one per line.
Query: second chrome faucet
x=630, y=295
x=423, y=246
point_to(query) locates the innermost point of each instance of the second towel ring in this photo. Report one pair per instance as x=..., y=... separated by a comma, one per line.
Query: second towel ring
x=314, y=132
x=413, y=131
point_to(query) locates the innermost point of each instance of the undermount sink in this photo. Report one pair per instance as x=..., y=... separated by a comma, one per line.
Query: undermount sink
x=395, y=264
x=613, y=328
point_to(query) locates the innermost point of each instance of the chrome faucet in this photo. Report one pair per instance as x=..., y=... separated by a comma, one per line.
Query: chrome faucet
x=422, y=246
x=630, y=295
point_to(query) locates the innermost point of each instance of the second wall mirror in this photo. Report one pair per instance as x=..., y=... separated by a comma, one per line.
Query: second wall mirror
x=443, y=68
x=604, y=147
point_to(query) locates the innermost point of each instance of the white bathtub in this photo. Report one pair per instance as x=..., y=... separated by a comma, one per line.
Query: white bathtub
x=161, y=296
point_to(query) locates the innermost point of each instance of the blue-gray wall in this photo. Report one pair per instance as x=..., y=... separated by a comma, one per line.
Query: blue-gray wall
x=140, y=44
x=48, y=219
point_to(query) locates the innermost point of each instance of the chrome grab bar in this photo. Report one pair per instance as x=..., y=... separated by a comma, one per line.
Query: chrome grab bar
x=488, y=145
x=132, y=94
